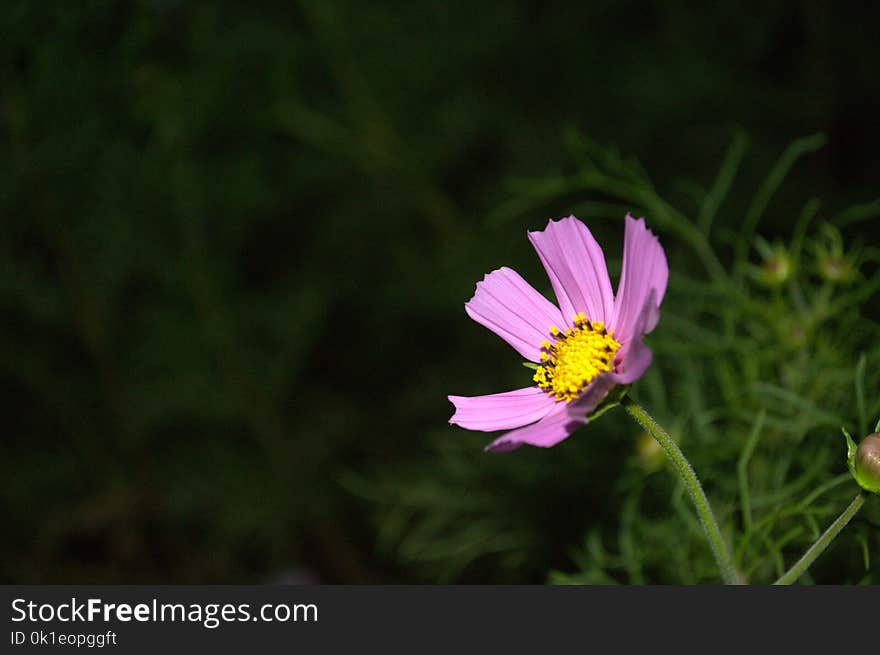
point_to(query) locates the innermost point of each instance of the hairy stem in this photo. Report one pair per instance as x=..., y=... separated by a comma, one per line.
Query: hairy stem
x=693, y=486
x=822, y=542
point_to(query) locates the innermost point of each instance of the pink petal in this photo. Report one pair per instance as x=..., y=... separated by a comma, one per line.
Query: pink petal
x=634, y=362
x=576, y=267
x=634, y=357
x=547, y=432
x=644, y=270
x=510, y=307
x=559, y=423
x=501, y=411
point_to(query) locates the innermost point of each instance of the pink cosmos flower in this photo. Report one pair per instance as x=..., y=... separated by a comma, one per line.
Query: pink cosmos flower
x=583, y=348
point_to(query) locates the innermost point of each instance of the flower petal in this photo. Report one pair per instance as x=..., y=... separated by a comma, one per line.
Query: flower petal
x=634, y=357
x=549, y=431
x=644, y=270
x=575, y=264
x=510, y=307
x=501, y=411
x=634, y=362
x=559, y=423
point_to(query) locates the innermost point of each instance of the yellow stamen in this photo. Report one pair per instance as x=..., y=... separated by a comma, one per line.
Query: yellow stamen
x=578, y=355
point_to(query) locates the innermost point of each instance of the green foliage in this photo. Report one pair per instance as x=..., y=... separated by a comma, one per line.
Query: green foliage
x=755, y=380
x=236, y=238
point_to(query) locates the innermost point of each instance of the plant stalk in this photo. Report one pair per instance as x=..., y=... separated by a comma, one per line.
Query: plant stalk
x=822, y=542
x=693, y=486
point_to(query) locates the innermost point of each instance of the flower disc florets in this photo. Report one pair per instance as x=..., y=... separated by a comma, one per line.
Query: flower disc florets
x=575, y=358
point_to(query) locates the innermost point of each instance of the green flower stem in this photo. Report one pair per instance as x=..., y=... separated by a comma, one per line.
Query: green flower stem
x=822, y=542
x=692, y=484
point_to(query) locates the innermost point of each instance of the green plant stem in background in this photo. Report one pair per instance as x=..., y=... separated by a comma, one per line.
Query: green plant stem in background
x=822, y=542
x=693, y=486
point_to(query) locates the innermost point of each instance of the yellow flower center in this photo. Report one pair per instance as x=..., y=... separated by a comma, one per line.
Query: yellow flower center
x=575, y=357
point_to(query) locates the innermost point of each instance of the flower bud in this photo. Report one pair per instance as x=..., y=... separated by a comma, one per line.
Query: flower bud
x=836, y=269
x=777, y=264
x=794, y=332
x=776, y=269
x=867, y=463
x=832, y=262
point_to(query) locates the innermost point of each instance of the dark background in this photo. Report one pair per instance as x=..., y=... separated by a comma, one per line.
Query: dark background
x=237, y=239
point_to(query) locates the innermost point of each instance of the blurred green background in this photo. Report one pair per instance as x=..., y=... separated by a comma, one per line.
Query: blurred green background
x=237, y=239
